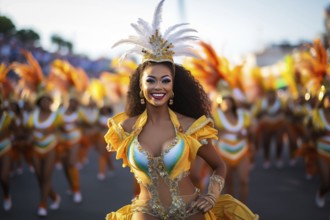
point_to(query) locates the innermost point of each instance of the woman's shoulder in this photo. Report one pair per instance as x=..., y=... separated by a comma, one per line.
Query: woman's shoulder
x=185, y=121
x=191, y=125
x=128, y=123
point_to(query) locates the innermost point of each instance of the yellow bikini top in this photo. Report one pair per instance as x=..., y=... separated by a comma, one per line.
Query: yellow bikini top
x=176, y=158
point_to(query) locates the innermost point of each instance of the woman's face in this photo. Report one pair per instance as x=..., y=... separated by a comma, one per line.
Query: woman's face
x=45, y=103
x=73, y=103
x=157, y=84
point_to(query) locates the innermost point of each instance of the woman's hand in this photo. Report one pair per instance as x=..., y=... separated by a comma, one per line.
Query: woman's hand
x=203, y=203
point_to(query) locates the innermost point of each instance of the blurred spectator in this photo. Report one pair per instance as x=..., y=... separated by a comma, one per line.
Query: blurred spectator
x=10, y=51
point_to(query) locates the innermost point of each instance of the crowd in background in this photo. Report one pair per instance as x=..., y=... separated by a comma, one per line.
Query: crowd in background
x=10, y=51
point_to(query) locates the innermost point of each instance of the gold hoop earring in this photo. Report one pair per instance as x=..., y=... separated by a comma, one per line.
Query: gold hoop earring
x=142, y=101
x=171, y=99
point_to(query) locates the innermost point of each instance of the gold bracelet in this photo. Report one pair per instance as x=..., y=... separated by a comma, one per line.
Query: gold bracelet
x=210, y=199
x=219, y=179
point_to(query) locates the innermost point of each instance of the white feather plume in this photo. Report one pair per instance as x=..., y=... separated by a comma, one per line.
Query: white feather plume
x=146, y=27
x=136, y=50
x=184, y=39
x=139, y=30
x=177, y=35
x=135, y=41
x=188, y=53
x=172, y=28
x=157, y=17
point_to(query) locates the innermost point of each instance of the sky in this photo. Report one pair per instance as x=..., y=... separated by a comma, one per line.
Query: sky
x=233, y=27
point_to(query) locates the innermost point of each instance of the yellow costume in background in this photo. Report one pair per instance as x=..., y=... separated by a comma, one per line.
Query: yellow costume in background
x=231, y=148
x=323, y=143
x=45, y=137
x=171, y=167
x=5, y=143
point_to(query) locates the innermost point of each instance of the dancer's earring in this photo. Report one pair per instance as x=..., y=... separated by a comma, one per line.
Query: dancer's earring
x=171, y=99
x=142, y=101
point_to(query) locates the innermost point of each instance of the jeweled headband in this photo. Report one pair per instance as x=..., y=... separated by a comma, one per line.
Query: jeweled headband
x=156, y=46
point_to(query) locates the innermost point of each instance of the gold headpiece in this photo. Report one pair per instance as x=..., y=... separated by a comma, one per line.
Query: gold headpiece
x=158, y=47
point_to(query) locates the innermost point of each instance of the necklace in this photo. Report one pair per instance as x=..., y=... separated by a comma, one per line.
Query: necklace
x=46, y=123
x=90, y=115
x=228, y=125
x=271, y=109
x=70, y=117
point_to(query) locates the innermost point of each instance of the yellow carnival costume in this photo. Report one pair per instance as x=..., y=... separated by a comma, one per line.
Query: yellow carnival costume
x=45, y=136
x=5, y=119
x=320, y=123
x=89, y=114
x=5, y=143
x=71, y=82
x=232, y=148
x=171, y=166
x=71, y=131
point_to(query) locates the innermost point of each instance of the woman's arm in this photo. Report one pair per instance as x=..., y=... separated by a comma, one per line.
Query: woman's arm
x=211, y=156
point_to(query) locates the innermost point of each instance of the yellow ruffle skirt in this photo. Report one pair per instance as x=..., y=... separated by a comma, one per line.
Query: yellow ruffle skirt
x=226, y=208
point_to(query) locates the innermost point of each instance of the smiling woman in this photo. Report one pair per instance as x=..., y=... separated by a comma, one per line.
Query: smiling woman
x=165, y=127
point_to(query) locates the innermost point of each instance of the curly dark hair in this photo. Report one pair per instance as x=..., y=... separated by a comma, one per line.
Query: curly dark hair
x=189, y=99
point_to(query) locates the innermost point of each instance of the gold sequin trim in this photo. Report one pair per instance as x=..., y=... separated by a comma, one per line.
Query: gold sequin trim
x=203, y=124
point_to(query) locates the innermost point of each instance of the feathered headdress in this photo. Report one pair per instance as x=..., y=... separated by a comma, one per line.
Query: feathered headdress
x=66, y=76
x=5, y=85
x=115, y=83
x=32, y=83
x=67, y=80
x=311, y=66
x=155, y=46
x=319, y=61
x=97, y=91
x=208, y=70
x=288, y=74
x=211, y=69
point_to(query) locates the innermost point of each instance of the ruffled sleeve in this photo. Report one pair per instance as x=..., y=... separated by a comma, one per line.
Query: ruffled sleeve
x=59, y=119
x=116, y=138
x=198, y=133
x=247, y=119
x=7, y=120
x=317, y=120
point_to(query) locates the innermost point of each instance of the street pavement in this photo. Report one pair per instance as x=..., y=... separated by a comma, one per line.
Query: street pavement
x=275, y=194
